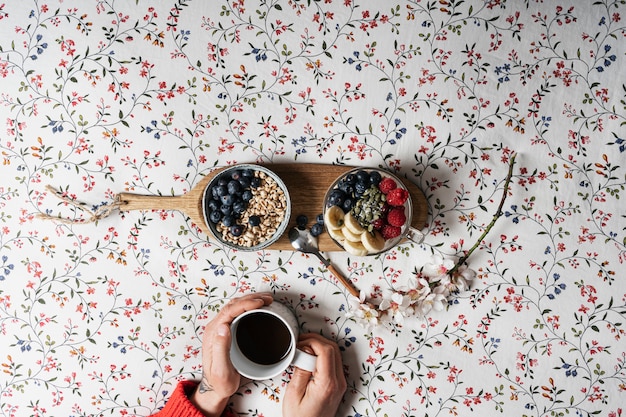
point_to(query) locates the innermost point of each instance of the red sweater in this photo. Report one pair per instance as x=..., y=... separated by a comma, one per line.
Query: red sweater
x=179, y=405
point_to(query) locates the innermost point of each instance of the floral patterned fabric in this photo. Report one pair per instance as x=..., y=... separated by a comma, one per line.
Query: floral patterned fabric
x=99, y=97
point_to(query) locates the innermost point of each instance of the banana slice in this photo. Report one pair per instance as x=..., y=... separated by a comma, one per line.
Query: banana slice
x=355, y=248
x=334, y=218
x=336, y=234
x=373, y=241
x=352, y=237
x=353, y=224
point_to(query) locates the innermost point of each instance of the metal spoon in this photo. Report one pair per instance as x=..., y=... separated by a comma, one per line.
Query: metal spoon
x=304, y=241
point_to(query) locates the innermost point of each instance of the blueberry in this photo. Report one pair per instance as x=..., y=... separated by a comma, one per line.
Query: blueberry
x=236, y=230
x=360, y=187
x=320, y=219
x=255, y=182
x=362, y=176
x=246, y=195
x=249, y=173
x=234, y=187
x=236, y=174
x=254, y=220
x=239, y=207
x=228, y=199
x=220, y=190
x=213, y=205
x=226, y=209
x=228, y=220
x=347, y=205
x=375, y=177
x=336, y=198
x=346, y=187
x=317, y=229
x=222, y=181
x=215, y=216
x=302, y=221
x=350, y=179
x=244, y=182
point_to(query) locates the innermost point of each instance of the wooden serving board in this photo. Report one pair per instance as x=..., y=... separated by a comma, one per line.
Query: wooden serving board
x=307, y=185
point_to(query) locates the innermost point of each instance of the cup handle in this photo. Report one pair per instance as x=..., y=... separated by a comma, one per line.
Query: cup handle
x=304, y=360
x=415, y=235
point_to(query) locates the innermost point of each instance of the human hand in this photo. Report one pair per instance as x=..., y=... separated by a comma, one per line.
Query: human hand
x=316, y=394
x=220, y=380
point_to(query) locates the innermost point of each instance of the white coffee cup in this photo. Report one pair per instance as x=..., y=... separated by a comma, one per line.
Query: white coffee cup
x=264, y=343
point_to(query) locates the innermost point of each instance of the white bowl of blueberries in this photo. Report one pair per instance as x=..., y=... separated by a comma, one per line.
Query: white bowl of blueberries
x=246, y=207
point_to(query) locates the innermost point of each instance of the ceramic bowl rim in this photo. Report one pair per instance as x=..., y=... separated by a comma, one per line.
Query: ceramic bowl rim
x=279, y=231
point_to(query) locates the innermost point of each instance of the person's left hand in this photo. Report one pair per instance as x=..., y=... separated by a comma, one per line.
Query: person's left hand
x=220, y=380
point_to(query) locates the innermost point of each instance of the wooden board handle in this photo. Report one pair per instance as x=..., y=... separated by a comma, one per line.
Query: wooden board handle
x=131, y=201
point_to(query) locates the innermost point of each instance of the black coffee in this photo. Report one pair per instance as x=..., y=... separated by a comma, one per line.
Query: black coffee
x=263, y=338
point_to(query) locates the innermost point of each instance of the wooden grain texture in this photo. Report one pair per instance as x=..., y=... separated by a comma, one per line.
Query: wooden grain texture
x=307, y=185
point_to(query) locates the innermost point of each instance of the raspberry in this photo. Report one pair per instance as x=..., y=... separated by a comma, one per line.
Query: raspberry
x=378, y=224
x=387, y=184
x=396, y=217
x=390, y=232
x=397, y=196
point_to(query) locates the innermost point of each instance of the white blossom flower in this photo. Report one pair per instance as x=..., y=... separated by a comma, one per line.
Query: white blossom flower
x=463, y=278
x=363, y=312
x=425, y=292
x=433, y=301
x=396, y=305
x=417, y=289
x=444, y=285
x=438, y=268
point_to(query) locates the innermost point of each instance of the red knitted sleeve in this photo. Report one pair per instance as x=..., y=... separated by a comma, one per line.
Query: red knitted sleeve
x=179, y=405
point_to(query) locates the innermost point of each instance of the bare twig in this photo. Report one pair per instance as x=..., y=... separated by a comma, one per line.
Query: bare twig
x=495, y=218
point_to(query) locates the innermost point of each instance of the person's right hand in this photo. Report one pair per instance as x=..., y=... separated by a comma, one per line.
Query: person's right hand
x=316, y=394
